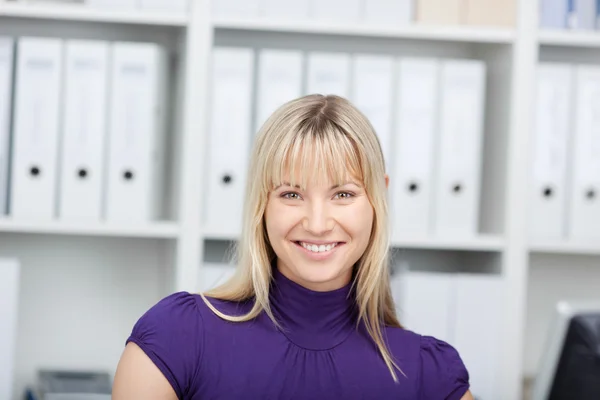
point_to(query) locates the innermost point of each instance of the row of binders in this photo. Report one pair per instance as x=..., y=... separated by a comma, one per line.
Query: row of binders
x=81, y=129
x=565, y=192
x=440, y=305
x=170, y=6
x=428, y=114
x=461, y=309
x=570, y=14
x=389, y=12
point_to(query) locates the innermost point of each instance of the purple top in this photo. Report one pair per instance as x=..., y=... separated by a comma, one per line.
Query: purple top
x=320, y=354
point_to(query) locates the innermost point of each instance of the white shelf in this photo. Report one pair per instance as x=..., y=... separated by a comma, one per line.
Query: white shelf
x=81, y=13
x=568, y=38
x=565, y=247
x=158, y=230
x=419, y=32
x=476, y=243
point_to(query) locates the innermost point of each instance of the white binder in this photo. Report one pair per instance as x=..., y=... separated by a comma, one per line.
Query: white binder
x=425, y=302
x=9, y=300
x=214, y=274
x=279, y=81
x=235, y=8
x=553, y=13
x=170, y=6
x=584, y=202
x=296, y=10
x=458, y=170
x=229, y=139
x=372, y=93
x=337, y=11
x=6, y=74
x=84, y=130
x=416, y=113
x=477, y=330
x=136, y=132
x=36, y=128
x=548, y=190
x=389, y=12
x=328, y=73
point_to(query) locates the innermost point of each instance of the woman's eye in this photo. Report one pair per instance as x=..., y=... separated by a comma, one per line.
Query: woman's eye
x=291, y=196
x=344, y=195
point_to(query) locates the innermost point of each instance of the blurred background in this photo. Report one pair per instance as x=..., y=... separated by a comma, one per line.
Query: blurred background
x=125, y=131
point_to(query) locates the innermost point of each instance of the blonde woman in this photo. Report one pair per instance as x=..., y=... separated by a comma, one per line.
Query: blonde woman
x=309, y=314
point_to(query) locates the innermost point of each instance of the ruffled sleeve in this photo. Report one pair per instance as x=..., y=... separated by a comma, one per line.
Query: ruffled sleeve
x=171, y=335
x=443, y=373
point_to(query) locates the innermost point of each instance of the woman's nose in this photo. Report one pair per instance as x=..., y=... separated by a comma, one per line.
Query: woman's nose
x=318, y=220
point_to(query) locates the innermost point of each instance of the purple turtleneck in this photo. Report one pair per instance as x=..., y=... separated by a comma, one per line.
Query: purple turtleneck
x=319, y=352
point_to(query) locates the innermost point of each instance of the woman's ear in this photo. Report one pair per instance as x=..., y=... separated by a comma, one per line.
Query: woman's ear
x=387, y=181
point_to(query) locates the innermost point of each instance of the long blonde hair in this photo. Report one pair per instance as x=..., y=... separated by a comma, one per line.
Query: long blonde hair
x=330, y=132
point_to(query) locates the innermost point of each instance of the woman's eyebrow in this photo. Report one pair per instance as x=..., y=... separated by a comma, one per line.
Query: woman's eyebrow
x=344, y=184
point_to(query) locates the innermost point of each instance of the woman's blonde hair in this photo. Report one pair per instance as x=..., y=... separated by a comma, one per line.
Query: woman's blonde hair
x=323, y=134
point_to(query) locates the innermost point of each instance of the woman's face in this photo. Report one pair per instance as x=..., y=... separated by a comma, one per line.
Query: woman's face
x=318, y=233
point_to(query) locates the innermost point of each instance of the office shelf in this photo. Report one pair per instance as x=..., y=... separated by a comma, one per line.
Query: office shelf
x=565, y=247
x=476, y=243
x=63, y=12
x=158, y=230
x=567, y=38
x=417, y=32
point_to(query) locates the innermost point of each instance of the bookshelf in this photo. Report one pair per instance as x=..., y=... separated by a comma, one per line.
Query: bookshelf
x=161, y=257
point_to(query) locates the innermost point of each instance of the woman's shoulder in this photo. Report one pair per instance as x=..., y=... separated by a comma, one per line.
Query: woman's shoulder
x=172, y=334
x=439, y=366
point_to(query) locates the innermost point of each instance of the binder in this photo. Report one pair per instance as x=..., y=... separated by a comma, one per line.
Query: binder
x=9, y=301
x=584, y=201
x=372, y=93
x=553, y=13
x=36, y=128
x=416, y=113
x=548, y=190
x=84, y=130
x=6, y=75
x=337, y=11
x=439, y=12
x=170, y=6
x=389, y=12
x=279, y=81
x=426, y=302
x=288, y=9
x=229, y=139
x=458, y=170
x=235, y=8
x=477, y=330
x=581, y=14
x=136, y=132
x=491, y=12
x=329, y=73
x=214, y=274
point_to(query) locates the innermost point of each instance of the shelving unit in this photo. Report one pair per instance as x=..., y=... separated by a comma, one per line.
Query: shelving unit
x=135, y=265
x=80, y=13
x=449, y=34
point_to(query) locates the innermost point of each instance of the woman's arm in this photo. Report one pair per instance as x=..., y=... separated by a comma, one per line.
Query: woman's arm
x=137, y=378
x=467, y=396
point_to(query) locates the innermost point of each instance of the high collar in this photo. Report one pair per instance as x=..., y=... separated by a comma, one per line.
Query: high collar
x=310, y=319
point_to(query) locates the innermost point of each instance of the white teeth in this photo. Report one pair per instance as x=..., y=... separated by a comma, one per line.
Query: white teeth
x=318, y=249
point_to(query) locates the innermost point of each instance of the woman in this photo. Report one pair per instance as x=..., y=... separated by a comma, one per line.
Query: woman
x=309, y=314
